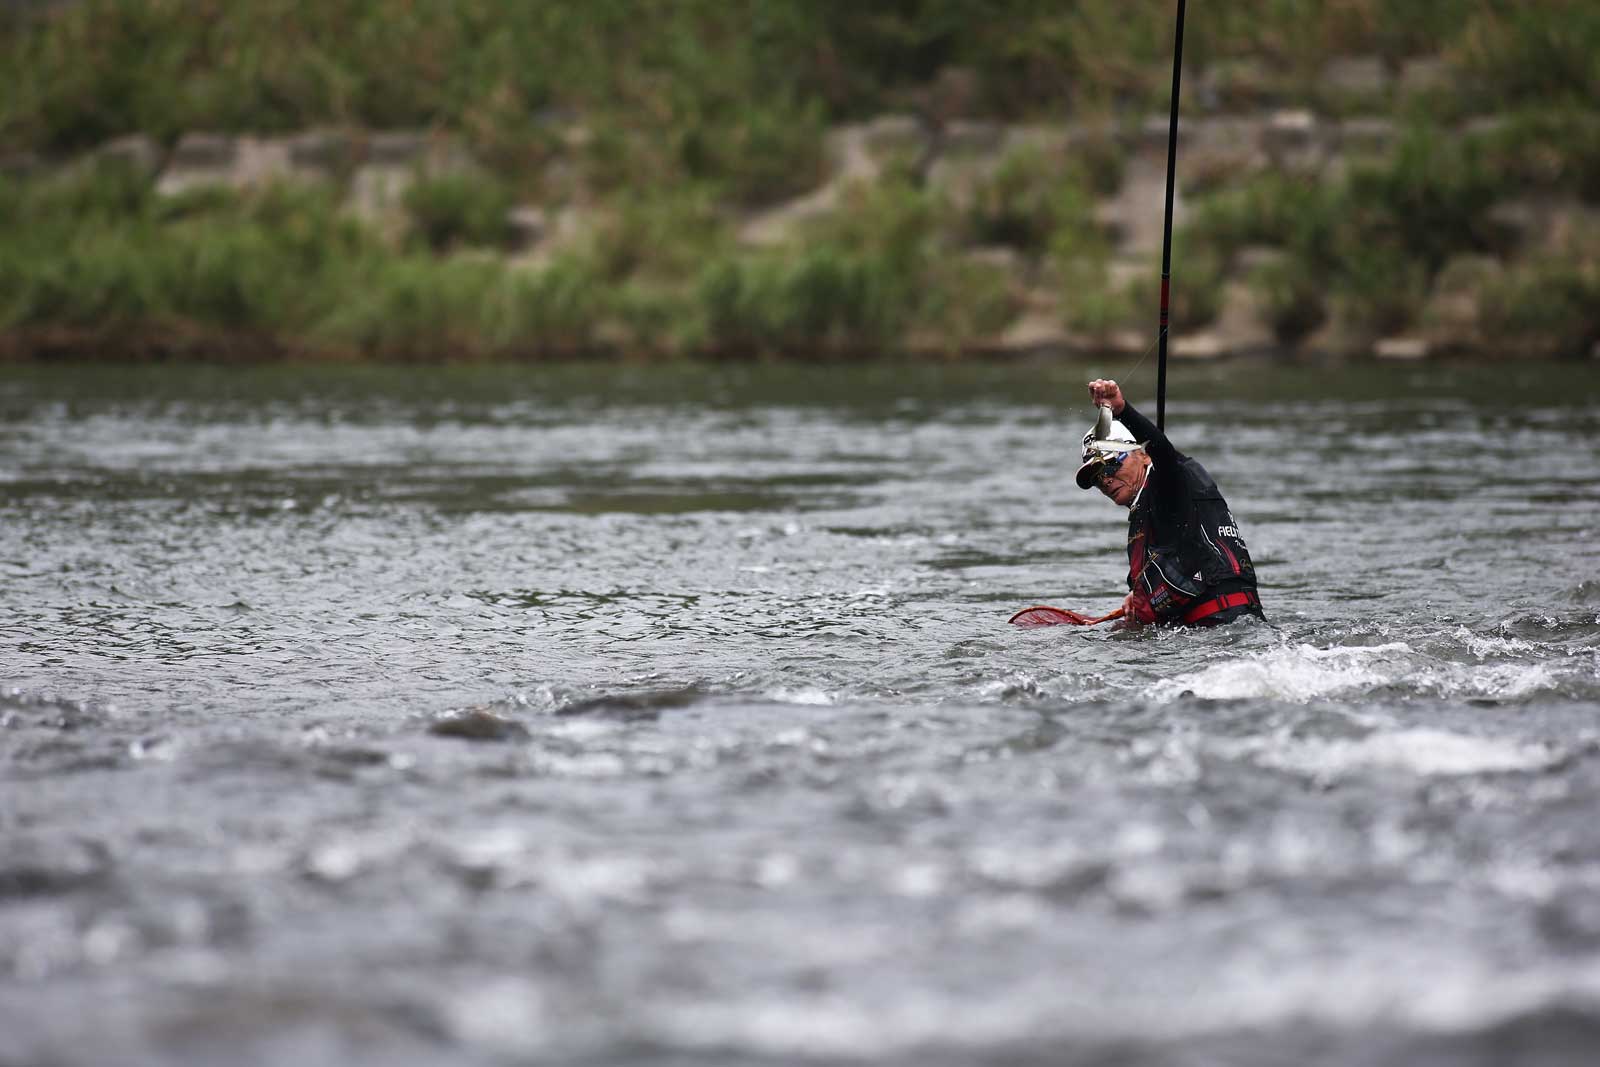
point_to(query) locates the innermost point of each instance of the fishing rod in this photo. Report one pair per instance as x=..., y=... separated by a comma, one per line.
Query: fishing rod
x=1166, y=237
x=1042, y=615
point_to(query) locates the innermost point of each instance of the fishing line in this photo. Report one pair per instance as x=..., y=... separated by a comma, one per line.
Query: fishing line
x=1127, y=375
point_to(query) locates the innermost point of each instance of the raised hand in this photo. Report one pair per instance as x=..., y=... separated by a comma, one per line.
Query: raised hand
x=1106, y=391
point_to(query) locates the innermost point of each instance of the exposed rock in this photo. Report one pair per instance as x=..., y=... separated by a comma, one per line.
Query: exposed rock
x=1402, y=348
x=958, y=176
x=417, y=151
x=329, y=151
x=1198, y=347
x=1252, y=258
x=199, y=159
x=1337, y=336
x=1290, y=130
x=1155, y=129
x=633, y=707
x=1054, y=142
x=397, y=148
x=41, y=866
x=477, y=724
x=375, y=191
x=1129, y=343
x=1450, y=316
x=953, y=92
x=1546, y=225
x=528, y=225
x=1239, y=83
x=850, y=158
x=1135, y=212
x=1356, y=75
x=1293, y=141
x=204, y=151
x=18, y=164
x=888, y=136
x=260, y=161
x=1519, y=222
x=1233, y=134
x=1216, y=151
x=1366, y=136
x=1484, y=125
x=968, y=136
x=1126, y=270
x=577, y=138
x=1424, y=74
x=1035, y=333
x=1000, y=257
x=777, y=225
x=135, y=151
x=213, y=159
x=1573, y=227
x=1241, y=325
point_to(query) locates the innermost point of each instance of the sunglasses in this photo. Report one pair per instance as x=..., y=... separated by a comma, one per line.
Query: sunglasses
x=1108, y=468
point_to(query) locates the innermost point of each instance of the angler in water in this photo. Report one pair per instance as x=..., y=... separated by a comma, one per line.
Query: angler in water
x=1187, y=564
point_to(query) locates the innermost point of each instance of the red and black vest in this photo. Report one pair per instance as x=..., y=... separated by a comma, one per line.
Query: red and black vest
x=1186, y=559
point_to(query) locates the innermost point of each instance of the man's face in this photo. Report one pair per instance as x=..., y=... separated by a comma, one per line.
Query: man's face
x=1123, y=484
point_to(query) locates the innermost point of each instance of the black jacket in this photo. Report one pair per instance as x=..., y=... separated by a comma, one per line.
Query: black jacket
x=1186, y=559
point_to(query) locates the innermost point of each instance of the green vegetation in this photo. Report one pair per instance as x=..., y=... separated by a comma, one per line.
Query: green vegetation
x=716, y=86
x=666, y=126
x=1371, y=244
x=103, y=256
x=451, y=210
x=1548, y=307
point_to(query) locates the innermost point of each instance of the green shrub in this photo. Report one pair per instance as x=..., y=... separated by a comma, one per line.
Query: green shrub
x=1090, y=302
x=1028, y=198
x=95, y=193
x=452, y=210
x=1015, y=205
x=413, y=307
x=1433, y=199
x=761, y=154
x=1540, y=54
x=1544, y=308
x=820, y=301
x=965, y=301
x=554, y=310
x=1379, y=286
x=1545, y=148
x=1293, y=299
x=895, y=220
x=1280, y=210
x=660, y=232
x=1195, y=295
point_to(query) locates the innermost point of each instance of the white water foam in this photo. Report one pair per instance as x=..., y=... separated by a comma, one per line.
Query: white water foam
x=1483, y=646
x=1420, y=751
x=1289, y=672
x=808, y=696
x=1302, y=673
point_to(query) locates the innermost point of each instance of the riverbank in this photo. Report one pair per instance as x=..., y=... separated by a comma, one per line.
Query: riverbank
x=1399, y=203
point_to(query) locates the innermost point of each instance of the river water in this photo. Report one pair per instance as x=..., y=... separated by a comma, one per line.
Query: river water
x=626, y=716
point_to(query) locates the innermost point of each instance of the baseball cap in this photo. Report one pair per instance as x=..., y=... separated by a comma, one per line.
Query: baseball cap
x=1109, y=440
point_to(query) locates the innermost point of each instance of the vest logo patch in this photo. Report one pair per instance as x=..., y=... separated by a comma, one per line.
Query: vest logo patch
x=1229, y=531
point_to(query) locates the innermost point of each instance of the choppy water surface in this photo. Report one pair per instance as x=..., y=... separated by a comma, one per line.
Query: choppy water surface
x=760, y=774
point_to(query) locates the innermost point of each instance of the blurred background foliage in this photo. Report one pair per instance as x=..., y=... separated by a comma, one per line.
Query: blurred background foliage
x=669, y=122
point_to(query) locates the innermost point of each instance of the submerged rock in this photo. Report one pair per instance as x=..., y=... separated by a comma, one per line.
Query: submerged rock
x=1402, y=348
x=37, y=866
x=631, y=707
x=477, y=724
